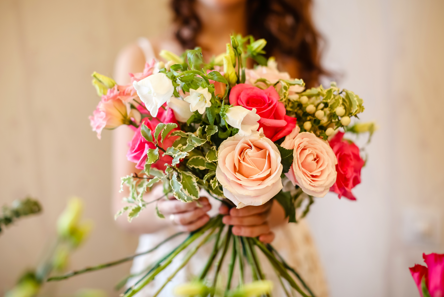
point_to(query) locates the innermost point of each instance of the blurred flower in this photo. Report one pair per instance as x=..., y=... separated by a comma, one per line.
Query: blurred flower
x=110, y=113
x=149, y=69
x=169, y=56
x=181, y=109
x=229, y=72
x=191, y=289
x=102, y=83
x=154, y=91
x=199, y=99
x=348, y=168
x=243, y=119
x=432, y=275
x=253, y=289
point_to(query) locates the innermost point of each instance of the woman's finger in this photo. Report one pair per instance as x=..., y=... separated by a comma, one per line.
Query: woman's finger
x=223, y=209
x=251, y=231
x=194, y=225
x=253, y=220
x=187, y=218
x=267, y=238
x=250, y=210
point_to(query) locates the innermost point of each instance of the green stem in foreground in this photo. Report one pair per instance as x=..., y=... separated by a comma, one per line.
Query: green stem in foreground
x=240, y=258
x=213, y=254
x=292, y=270
x=221, y=259
x=231, y=266
x=159, y=267
x=279, y=267
x=256, y=275
x=185, y=261
x=110, y=264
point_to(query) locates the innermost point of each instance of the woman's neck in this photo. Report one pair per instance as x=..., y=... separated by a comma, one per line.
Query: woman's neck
x=218, y=24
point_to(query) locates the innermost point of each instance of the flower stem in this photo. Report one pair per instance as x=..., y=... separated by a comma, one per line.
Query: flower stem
x=110, y=264
x=166, y=261
x=213, y=254
x=279, y=267
x=231, y=266
x=185, y=261
x=221, y=259
x=249, y=253
x=240, y=258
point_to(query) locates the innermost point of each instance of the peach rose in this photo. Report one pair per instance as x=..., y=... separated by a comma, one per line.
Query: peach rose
x=249, y=169
x=314, y=163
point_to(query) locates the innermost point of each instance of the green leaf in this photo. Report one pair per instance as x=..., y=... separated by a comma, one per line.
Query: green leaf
x=425, y=291
x=307, y=208
x=218, y=192
x=216, y=76
x=195, y=141
x=126, y=180
x=177, y=189
x=189, y=185
x=200, y=163
x=224, y=134
x=208, y=175
x=120, y=212
x=159, y=129
x=194, y=58
x=167, y=129
x=211, y=155
x=211, y=114
x=153, y=181
x=211, y=130
x=159, y=214
x=199, y=132
x=286, y=158
x=146, y=133
x=157, y=173
x=152, y=155
x=214, y=183
x=147, y=167
x=287, y=203
x=134, y=213
x=180, y=133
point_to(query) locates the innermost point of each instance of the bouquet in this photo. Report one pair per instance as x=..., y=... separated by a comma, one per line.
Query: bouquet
x=245, y=136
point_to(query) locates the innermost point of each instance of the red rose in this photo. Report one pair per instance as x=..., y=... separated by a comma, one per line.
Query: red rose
x=137, y=152
x=348, y=168
x=274, y=121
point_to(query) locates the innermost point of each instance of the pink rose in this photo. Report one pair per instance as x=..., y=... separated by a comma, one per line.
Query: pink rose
x=249, y=169
x=348, y=168
x=313, y=167
x=275, y=123
x=109, y=114
x=137, y=152
x=433, y=274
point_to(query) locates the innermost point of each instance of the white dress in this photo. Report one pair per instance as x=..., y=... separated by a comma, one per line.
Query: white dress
x=293, y=241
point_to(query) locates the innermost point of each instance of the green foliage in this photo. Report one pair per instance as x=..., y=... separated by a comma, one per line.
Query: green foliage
x=146, y=133
x=286, y=158
x=287, y=203
x=18, y=209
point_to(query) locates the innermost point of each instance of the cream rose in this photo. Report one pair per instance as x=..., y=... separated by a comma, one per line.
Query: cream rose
x=249, y=169
x=154, y=91
x=314, y=163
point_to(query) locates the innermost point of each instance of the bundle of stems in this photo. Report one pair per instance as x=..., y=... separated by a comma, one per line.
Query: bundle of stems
x=244, y=255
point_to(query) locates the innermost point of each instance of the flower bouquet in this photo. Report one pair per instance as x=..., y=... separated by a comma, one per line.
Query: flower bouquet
x=245, y=136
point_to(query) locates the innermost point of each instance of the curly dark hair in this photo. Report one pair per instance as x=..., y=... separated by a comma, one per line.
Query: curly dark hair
x=287, y=26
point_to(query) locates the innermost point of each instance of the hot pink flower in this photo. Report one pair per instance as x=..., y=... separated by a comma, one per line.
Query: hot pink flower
x=274, y=121
x=147, y=71
x=348, y=168
x=433, y=274
x=137, y=152
x=109, y=114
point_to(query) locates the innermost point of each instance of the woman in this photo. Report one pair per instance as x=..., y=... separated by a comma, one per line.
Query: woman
x=293, y=40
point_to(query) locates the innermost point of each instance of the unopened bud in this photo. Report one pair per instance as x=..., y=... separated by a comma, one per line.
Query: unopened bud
x=320, y=106
x=324, y=120
x=104, y=80
x=169, y=56
x=304, y=99
x=234, y=42
x=330, y=131
x=230, y=53
x=70, y=217
x=307, y=126
x=190, y=289
x=364, y=127
x=340, y=111
x=258, y=45
x=168, y=65
x=219, y=60
x=229, y=72
x=345, y=121
x=100, y=88
x=253, y=289
x=319, y=114
x=160, y=65
x=271, y=63
x=311, y=109
x=293, y=97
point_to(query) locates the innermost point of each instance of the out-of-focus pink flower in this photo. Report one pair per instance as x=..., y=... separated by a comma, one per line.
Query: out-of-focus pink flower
x=274, y=121
x=348, y=168
x=138, y=150
x=109, y=114
x=124, y=93
x=433, y=274
x=147, y=71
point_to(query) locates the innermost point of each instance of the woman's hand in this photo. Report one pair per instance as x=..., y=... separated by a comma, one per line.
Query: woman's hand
x=250, y=221
x=186, y=216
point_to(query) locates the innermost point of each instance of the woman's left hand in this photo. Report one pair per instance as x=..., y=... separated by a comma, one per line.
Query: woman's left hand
x=250, y=221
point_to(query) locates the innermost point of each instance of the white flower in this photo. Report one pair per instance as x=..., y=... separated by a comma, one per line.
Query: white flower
x=154, y=91
x=199, y=99
x=243, y=119
x=180, y=108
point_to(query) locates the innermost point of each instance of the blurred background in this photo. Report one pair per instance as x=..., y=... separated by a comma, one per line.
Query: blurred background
x=390, y=52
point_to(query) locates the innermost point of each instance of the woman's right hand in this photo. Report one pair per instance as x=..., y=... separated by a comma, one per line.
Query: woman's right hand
x=186, y=216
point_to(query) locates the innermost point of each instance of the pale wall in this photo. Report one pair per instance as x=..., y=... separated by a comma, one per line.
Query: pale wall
x=389, y=51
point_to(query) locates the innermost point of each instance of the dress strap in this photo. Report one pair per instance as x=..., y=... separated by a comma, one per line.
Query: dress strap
x=147, y=48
